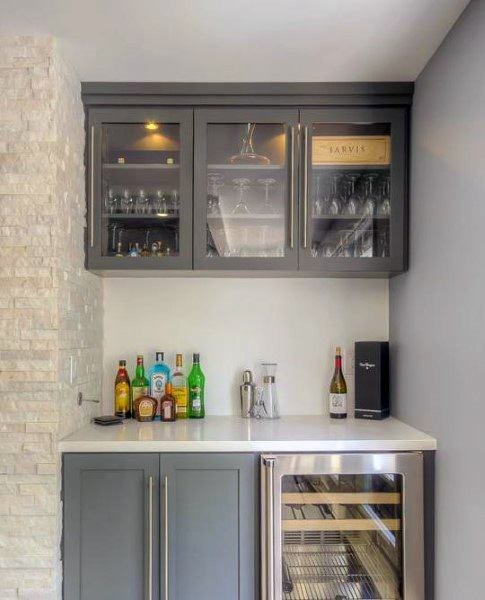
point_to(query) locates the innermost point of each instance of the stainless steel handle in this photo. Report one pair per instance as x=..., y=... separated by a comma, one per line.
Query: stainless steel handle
x=150, y=538
x=305, y=186
x=292, y=187
x=165, y=484
x=269, y=520
x=91, y=189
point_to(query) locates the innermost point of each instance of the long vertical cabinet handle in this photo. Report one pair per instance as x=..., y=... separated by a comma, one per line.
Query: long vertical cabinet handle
x=292, y=186
x=150, y=538
x=165, y=525
x=305, y=186
x=269, y=521
x=91, y=188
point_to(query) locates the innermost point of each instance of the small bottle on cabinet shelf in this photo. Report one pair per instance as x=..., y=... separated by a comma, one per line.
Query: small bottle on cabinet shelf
x=167, y=404
x=338, y=390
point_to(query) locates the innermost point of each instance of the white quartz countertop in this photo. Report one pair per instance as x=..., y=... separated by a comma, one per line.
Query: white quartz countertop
x=235, y=434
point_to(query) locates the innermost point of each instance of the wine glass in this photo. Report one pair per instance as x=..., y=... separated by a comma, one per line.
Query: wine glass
x=126, y=201
x=161, y=204
x=267, y=206
x=110, y=202
x=142, y=202
x=371, y=200
x=335, y=201
x=353, y=204
x=384, y=209
x=242, y=184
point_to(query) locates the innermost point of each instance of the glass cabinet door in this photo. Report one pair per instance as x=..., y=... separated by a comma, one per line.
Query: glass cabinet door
x=353, y=189
x=141, y=202
x=245, y=189
x=342, y=537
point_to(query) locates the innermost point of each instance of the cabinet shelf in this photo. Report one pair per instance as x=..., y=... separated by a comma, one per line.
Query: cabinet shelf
x=134, y=217
x=140, y=166
x=228, y=167
x=351, y=167
x=341, y=525
x=350, y=218
x=255, y=217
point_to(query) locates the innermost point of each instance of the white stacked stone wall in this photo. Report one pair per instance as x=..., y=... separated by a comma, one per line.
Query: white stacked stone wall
x=50, y=306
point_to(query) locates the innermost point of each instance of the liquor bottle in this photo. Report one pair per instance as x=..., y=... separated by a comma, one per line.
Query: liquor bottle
x=145, y=408
x=167, y=404
x=122, y=392
x=159, y=376
x=119, y=251
x=196, y=383
x=140, y=384
x=338, y=390
x=179, y=389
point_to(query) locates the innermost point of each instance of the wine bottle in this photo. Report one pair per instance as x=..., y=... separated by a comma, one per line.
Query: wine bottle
x=338, y=390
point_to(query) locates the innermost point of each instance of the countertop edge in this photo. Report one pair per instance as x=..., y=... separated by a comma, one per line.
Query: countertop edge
x=240, y=446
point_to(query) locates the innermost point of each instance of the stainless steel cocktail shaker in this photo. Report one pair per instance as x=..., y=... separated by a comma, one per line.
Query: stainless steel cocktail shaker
x=248, y=394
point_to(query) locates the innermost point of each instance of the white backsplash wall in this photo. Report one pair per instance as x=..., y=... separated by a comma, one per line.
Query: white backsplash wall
x=236, y=324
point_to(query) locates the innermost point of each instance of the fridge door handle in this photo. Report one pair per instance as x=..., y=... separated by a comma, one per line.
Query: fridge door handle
x=269, y=584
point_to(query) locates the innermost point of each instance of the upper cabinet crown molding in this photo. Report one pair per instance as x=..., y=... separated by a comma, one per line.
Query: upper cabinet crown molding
x=217, y=94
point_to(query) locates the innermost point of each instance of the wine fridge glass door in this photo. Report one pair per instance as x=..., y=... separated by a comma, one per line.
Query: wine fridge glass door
x=345, y=527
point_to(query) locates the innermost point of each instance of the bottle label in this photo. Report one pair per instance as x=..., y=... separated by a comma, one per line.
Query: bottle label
x=167, y=411
x=195, y=399
x=145, y=408
x=122, y=397
x=180, y=395
x=157, y=385
x=138, y=391
x=338, y=403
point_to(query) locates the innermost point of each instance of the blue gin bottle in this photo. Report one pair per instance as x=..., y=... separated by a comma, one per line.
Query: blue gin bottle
x=158, y=376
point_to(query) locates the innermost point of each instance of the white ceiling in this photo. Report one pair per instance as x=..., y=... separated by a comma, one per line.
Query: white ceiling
x=239, y=40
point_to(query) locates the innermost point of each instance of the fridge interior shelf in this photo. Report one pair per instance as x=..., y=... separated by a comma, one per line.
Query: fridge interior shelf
x=337, y=571
x=341, y=525
x=341, y=498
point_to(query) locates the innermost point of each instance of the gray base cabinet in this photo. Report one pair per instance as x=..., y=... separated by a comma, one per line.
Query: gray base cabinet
x=109, y=534
x=150, y=526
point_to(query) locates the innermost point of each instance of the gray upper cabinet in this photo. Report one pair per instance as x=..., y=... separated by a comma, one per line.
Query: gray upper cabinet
x=296, y=179
x=353, y=190
x=210, y=510
x=111, y=526
x=245, y=189
x=139, y=189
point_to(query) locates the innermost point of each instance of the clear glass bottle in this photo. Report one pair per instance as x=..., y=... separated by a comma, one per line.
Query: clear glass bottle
x=179, y=389
x=158, y=376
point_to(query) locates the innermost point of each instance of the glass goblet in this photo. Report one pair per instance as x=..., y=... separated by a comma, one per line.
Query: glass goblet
x=242, y=184
x=267, y=207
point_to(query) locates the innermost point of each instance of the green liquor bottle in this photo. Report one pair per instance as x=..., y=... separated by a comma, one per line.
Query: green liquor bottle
x=196, y=383
x=140, y=384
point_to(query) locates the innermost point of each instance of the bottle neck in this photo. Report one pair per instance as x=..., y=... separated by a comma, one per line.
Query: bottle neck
x=140, y=370
x=338, y=363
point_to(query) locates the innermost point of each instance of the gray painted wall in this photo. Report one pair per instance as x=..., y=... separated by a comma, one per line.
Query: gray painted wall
x=437, y=322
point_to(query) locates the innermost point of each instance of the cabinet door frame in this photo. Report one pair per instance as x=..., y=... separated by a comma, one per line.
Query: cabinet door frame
x=96, y=118
x=202, y=118
x=247, y=466
x=73, y=465
x=397, y=261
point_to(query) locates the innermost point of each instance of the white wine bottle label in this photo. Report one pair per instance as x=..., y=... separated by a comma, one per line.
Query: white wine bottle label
x=338, y=403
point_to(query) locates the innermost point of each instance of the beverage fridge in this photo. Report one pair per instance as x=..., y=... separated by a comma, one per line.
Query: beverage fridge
x=342, y=526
